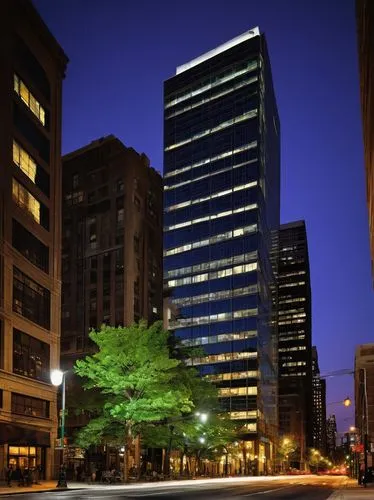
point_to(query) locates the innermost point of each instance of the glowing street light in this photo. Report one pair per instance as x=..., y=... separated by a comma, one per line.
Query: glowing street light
x=347, y=402
x=203, y=417
x=58, y=378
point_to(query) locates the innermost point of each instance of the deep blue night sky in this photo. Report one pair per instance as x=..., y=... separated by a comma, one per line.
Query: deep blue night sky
x=121, y=51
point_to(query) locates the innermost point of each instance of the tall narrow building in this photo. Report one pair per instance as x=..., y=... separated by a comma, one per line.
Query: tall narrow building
x=319, y=405
x=364, y=396
x=365, y=32
x=111, y=257
x=221, y=212
x=295, y=337
x=32, y=69
x=111, y=242
x=331, y=433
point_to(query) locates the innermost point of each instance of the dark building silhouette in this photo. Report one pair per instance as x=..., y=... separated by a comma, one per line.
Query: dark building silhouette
x=365, y=32
x=32, y=69
x=221, y=128
x=364, y=396
x=295, y=337
x=111, y=241
x=319, y=405
x=331, y=433
x=111, y=248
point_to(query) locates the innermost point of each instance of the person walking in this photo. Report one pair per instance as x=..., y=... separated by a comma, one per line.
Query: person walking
x=9, y=473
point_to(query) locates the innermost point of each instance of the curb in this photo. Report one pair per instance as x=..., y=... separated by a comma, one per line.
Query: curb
x=49, y=490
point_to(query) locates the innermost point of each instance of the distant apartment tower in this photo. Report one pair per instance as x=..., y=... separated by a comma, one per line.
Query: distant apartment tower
x=365, y=31
x=331, y=433
x=31, y=74
x=319, y=405
x=221, y=184
x=295, y=336
x=111, y=241
x=364, y=394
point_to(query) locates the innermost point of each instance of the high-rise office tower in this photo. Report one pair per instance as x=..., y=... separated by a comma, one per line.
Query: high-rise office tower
x=365, y=32
x=111, y=241
x=331, y=433
x=221, y=184
x=319, y=405
x=295, y=337
x=32, y=69
x=364, y=397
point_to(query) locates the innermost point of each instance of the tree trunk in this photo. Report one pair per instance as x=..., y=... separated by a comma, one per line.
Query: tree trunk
x=181, y=464
x=126, y=454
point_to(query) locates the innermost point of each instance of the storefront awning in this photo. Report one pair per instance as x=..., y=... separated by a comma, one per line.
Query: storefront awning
x=23, y=436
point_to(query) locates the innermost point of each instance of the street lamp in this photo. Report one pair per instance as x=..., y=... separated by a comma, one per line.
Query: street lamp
x=58, y=378
x=203, y=417
x=347, y=402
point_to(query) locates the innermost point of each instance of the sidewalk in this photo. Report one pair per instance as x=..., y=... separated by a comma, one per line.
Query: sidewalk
x=43, y=486
x=351, y=491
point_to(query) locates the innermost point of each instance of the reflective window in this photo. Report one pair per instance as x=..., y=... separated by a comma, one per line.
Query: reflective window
x=30, y=299
x=30, y=356
x=32, y=407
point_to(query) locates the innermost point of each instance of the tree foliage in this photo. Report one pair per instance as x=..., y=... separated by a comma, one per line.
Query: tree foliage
x=138, y=378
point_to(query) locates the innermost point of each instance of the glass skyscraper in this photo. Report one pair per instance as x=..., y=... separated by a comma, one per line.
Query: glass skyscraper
x=221, y=217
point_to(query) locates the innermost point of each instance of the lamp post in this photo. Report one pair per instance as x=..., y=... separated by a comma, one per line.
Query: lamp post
x=203, y=417
x=58, y=378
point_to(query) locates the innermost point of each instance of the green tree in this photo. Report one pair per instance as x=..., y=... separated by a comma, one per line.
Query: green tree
x=287, y=448
x=141, y=383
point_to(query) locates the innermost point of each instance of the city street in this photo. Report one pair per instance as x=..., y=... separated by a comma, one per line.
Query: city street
x=281, y=488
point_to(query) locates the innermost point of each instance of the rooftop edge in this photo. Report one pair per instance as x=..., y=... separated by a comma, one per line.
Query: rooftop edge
x=218, y=50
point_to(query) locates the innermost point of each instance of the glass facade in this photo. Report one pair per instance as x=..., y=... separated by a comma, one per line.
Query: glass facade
x=221, y=199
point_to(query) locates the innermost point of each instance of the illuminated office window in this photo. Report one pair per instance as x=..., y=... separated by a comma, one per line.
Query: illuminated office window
x=34, y=106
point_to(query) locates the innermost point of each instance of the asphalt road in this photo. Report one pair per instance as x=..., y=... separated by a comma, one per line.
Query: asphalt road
x=277, y=488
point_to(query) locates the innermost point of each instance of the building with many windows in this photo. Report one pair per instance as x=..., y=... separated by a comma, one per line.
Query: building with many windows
x=365, y=32
x=364, y=396
x=295, y=337
x=221, y=213
x=111, y=241
x=32, y=69
x=111, y=249
x=319, y=405
x=331, y=433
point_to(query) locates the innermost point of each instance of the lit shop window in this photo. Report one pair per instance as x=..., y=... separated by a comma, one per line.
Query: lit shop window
x=209, y=131
x=213, y=239
x=24, y=199
x=34, y=106
x=24, y=161
x=207, y=161
x=244, y=415
x=187, y=203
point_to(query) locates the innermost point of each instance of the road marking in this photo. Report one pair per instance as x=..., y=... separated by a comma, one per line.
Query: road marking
x=267, y=491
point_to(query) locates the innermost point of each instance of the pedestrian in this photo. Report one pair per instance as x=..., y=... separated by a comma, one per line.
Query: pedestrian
x=9, y=474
